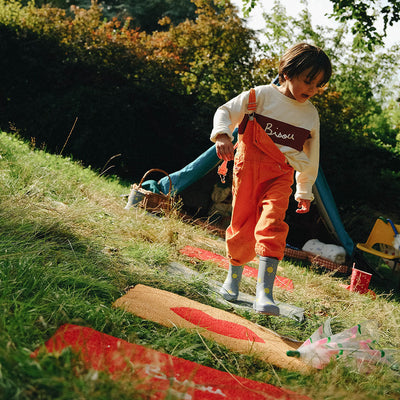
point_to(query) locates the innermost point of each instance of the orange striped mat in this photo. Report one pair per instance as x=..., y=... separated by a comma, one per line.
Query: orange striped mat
x=226, y=328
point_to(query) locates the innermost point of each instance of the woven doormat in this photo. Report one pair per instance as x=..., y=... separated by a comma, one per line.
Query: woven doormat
x=230, y=330
x=223, y=262
x=159, y=375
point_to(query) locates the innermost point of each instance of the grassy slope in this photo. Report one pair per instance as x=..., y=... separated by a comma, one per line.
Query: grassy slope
x=68, y=249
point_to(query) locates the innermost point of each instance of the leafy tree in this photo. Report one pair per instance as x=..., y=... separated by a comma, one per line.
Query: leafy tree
x=144, y=14
x=365, y=16
x=215, y=52
x=384, y=127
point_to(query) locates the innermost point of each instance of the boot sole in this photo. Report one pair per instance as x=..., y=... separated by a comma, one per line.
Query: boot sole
x=267, y=310
x=228, y=297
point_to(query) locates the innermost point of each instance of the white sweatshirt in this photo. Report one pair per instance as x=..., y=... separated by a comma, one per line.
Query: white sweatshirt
x=275, y=105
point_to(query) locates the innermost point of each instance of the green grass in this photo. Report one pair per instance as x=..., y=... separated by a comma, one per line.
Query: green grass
x=69, y=249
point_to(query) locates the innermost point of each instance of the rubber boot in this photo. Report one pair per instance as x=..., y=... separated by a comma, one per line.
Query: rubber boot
x=230, y=288
x=264, y=302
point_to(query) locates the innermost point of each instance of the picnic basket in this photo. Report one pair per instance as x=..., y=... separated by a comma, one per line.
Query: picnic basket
x=150, y=201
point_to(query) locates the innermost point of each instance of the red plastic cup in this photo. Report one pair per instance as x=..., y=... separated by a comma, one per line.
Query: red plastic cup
x=359, y=281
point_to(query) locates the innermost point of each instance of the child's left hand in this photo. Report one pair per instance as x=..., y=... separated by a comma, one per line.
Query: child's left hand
x=303, y=206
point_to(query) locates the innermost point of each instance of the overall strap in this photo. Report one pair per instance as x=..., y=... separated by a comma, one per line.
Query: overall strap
x=252, y=101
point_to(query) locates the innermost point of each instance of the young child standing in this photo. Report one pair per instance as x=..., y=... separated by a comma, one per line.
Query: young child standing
x=278, y=133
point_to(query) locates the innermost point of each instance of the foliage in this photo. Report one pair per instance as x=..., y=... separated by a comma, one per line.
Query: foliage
x=384, y=127
x=216, y=53
x=365, y=16
x=144, y=14
x=112, y=77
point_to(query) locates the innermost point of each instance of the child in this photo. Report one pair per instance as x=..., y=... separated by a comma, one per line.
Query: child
x=278, y=133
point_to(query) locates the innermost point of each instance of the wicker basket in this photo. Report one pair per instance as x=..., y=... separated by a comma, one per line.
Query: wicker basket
x=150, y=201
x=317, y=260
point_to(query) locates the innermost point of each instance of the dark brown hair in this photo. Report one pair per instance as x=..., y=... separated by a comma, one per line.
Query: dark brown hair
x=301, y=57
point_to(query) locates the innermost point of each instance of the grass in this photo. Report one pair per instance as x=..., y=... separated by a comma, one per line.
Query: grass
x=69, y=249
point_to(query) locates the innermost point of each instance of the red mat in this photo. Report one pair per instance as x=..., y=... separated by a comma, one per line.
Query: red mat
x=220, y=326
x=159, y=374
x=223, y=262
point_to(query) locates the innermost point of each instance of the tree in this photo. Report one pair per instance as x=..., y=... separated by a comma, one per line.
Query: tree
x=216, y=52
x=365, y=15
x=144, y=14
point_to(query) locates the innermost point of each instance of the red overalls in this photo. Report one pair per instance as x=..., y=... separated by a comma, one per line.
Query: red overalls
x=261, y=188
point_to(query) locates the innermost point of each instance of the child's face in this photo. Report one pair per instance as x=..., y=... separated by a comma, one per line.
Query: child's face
x=301, y=87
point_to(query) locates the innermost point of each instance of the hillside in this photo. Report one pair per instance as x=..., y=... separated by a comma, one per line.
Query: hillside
x=69, y=250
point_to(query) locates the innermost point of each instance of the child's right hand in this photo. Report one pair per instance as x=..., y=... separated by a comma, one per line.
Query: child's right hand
x=303, y=206
x=224, y=147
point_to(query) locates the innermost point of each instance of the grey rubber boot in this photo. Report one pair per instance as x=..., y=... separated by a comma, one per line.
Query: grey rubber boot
x=230, y=288
x=264, y=302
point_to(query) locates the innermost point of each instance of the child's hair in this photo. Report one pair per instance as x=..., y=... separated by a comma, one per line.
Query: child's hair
x=301, y=57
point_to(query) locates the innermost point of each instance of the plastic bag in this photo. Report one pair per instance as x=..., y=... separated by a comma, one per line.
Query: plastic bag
x=358, y=342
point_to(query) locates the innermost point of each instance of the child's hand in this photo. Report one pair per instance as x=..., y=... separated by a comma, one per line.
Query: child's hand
x=224, y=147
x=303, y=206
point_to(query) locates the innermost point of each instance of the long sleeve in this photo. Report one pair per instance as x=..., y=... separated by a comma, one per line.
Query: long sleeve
x=306, y=178
x=229, y=115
